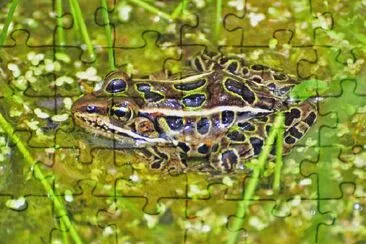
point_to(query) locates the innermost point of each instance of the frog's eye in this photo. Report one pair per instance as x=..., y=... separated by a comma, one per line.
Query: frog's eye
x=121, y=112
x=116, y=85
x=91, y=108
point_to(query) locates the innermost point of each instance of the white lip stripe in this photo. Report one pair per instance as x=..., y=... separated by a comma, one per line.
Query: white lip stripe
x=128, y=133
x=184, y=80
x=204, y=112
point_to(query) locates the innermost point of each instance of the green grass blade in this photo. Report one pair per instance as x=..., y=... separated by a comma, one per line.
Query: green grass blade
x=279, y=162
x=253, y=182
x=218, y=18
x=81, y=23
x=4, y=32
x=60, y=29
x=108, y=32
x=151, y=9
x=179, y=10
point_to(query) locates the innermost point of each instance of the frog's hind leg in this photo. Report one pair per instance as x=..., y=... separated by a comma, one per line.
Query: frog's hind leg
x=298, y=120
x=246, y=140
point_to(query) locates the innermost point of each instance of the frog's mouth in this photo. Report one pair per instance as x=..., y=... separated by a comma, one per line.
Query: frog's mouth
x=102, y=125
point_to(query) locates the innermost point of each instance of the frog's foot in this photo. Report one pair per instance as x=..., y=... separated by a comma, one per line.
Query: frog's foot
x=167, y=160
x=225, y=160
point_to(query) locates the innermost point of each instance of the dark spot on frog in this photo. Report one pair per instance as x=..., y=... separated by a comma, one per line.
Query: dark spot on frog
x=233, y=67
x=204, y=149
x=245, y=71
x=184, y=147
x=174, y=122
x=259, y=67
x=295, y=133
x=143, y=87
x=227, y=117
x=257, y=79
x=157, y=164
x=240, y=89
x=236, y=136
x=229, y=159
x=257, y=144
x=290, y=140
x=194, y=100
x=198, y=64
x=292, y=115
x=246, y=126
x=279, y=76
x=191, y=85
x=151, y=96
x=310, y=119
x=215, y=148
x=116, y=85
x=203, y=125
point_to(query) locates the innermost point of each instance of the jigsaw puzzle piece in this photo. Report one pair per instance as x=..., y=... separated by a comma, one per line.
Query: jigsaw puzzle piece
x=208, y=217
x=83, y=204
x=131, y=224
x=350, y=212
x=345, y=105
x=304, y=218
x=20, y=211
x=324, y=171
x=36, y=18
x=152, y=186
x=199, y=185
x=147, y=56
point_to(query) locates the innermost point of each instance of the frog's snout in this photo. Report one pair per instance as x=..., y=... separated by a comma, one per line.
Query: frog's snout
x=90, y=105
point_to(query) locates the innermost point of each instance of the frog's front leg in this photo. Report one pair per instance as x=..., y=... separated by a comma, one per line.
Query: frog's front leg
x=167, y=159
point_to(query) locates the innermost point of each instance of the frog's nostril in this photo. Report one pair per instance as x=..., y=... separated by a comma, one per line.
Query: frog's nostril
x=91, y=108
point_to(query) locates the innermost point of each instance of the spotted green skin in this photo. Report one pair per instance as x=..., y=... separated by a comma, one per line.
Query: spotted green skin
x=221, y=109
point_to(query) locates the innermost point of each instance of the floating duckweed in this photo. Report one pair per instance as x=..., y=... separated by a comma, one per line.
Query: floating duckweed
x=63, y=57
x=17, y=204
x=108, y=231
x=35, y=58
x=195, y=191
x=60, y=117
x=50, y=150
x=68, y=196
x=151, y=220
x=237, y=4
x=255, y=18
x=134, y=178
x=67, y=102
x=257, y=223
x=305, y=182
x=29, y=76
x=33, y=125
x=49, y=65
x=20, y=83
x=64, y=79
x=41, y=114
x=14, y=69
x=89, y=74
x=124, y=11
x=273, y=43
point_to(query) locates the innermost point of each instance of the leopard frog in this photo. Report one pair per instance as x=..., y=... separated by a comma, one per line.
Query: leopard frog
x=221, y=109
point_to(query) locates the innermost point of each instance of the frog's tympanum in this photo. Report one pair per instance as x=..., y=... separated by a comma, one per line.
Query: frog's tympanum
x=221, y=109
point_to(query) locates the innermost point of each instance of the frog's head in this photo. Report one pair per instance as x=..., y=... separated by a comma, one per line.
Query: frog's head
x=109, y=111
